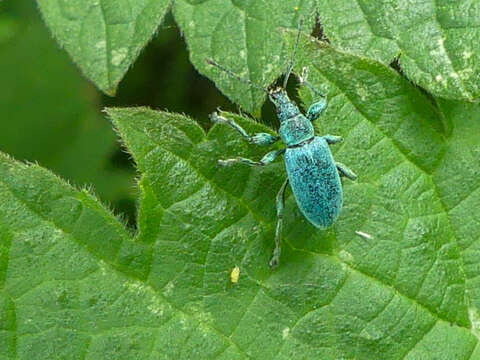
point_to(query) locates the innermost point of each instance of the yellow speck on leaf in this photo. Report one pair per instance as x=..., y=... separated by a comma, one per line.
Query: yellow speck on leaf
x=235, y=274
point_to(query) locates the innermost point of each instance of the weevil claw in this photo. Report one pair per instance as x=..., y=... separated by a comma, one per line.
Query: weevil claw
x=274, y=263
x=303, y=77
x=217, y=119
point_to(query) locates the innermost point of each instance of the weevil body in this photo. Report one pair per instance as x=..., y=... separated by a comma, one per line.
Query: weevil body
x=315, y=182
x=313, y=174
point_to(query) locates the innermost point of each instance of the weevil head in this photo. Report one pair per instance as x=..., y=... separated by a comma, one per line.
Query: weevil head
x=285, y=107
x=294, y=126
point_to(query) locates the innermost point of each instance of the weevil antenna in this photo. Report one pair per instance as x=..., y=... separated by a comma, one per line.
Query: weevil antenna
x=292, y=60
x=232, y=74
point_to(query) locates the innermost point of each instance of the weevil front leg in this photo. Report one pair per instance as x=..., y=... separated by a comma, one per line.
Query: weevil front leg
x=267, y=159
x=262, y=139
x=280, y=201
x=345, y=171
x=316, y=109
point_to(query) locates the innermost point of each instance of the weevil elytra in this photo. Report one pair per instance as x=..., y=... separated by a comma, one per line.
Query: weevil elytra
x=313, y=174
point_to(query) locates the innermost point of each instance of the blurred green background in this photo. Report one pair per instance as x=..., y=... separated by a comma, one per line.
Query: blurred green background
x=50, y=114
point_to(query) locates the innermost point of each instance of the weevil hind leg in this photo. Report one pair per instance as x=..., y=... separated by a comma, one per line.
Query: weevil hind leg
x=262, y=139
x=280, y=201
x=345, y=171
x=267, y=159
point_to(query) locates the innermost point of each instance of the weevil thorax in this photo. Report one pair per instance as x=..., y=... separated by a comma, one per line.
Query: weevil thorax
x=295, y=128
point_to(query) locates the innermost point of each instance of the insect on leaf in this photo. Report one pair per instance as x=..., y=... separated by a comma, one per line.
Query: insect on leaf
x=75, y=283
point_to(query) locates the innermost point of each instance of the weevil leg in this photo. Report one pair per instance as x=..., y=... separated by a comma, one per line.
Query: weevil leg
x=345, y=171
x=267, y=159
x=262, y=139
x=332, y=139
x=316, y=109
x=280, y=201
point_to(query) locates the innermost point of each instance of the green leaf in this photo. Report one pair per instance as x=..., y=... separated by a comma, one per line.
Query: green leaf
x=438, y=42
x=244, y=36
x=67, y=136
x=103, y=37
x=74, y=284
x=69, y=274
x=410, y=292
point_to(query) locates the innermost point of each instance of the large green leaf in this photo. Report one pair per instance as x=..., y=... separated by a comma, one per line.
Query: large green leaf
x=438, y=41
x=103, y=37
x=73, y=283
x=411, y=290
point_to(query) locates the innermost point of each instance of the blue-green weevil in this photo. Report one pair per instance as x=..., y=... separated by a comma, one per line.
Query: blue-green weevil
x=313, y=174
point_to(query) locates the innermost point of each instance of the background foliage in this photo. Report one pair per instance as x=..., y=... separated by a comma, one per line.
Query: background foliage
x=75, y=282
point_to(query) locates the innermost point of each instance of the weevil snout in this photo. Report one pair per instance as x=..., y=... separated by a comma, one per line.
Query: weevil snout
x=278, y=94
x=285, y=107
